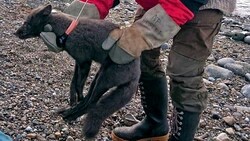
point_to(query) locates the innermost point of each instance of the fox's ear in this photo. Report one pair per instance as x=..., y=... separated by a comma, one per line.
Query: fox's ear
x=46, y=10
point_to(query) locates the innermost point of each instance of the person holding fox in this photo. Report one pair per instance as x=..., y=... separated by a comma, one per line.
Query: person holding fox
x=193, y=25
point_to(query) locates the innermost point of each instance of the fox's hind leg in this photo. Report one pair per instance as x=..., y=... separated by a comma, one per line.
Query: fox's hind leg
x=109, y=103
x=109, y=75
x=82, y=107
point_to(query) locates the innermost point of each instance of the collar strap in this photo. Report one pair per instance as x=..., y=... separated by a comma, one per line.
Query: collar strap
x=61, y=40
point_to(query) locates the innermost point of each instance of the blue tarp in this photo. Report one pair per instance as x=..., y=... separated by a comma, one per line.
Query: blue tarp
x=4, y=137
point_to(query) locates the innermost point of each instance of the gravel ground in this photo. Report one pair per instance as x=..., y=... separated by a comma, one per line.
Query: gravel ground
x=34, y=83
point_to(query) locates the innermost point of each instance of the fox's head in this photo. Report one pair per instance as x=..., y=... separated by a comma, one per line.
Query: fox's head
x=35, y=22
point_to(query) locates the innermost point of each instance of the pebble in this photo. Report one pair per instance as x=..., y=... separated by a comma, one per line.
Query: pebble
x=228, y=33
x=229, y=120
x=51, y=136
x=245, y=65
x=238, y=36
x=228, y=20
x=202, y=124
x=244, y=138
x=246, y=27
x=247, y=119
x=223, y=61
x=242, y=109
x=245, y=90
x=69, y=138
x=230, y=131
x=58, y=134
x=40, y=138
x=207, y=81
x=222, y=137
x=237, y=127
x=211, y=58
x=130, y=119
x=218, y=72
x=236, y=68
x=215, y=115
x=223, y=86
x=28, y=129
x=31, y=135
x=65, y=130
x=247, y=39
x=247, y=76
x=165, y=46
x=237, y=115
x=211, y=79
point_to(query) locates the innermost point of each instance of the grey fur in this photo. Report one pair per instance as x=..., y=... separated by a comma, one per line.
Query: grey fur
x=113, y=86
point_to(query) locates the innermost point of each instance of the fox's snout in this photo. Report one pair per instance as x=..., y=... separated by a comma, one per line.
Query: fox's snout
x=24, y=32
x=19, y=33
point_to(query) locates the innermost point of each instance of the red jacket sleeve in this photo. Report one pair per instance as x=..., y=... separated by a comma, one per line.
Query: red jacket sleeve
x=103, y=6
x=174, y=8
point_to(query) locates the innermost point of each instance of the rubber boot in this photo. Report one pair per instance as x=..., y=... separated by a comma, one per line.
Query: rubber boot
x=184, y=125
x=154, y=127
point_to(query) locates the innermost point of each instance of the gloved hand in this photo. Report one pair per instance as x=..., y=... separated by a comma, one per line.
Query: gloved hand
x=153, y=29
x=73, y=9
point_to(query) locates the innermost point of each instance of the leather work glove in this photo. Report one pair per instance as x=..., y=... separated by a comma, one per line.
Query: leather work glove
x=152, y=30
x=49, y=37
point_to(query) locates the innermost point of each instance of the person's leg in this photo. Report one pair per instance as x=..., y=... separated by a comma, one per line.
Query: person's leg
x=191, y=47
x=153, y=87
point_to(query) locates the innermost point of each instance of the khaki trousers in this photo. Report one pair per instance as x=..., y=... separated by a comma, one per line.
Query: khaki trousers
x=191, y=47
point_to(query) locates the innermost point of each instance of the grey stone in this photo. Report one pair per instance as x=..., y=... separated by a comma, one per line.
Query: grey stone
x=246, y=27
x=237, y=127
x=230, y=131
x=207, y=82
x=215, y=115
x=229, y=120
x=40, y=138
x=223, y=61
x=69, y=138
x=211, y=79
x=236, y=68
x=130, y=119
x=242, y=108
x=218, y=72
x=247, y=119
x=247, y=39
x=237, y=115
x=238, y=36
x=246, y=66
x=247, y=76
x=222, y=137
x=165, y=46
x=211, y=58
x=223, y=86
x=228, y=20
x=246, y=91
x=31, y=135
x=28, y=129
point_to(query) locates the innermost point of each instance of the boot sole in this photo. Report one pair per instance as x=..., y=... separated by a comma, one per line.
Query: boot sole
x=159, y=138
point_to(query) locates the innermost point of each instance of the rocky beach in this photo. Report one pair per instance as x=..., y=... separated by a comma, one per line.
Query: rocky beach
x=34, y=82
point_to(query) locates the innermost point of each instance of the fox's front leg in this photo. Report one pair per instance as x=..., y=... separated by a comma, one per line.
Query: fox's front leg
x=77, y=84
